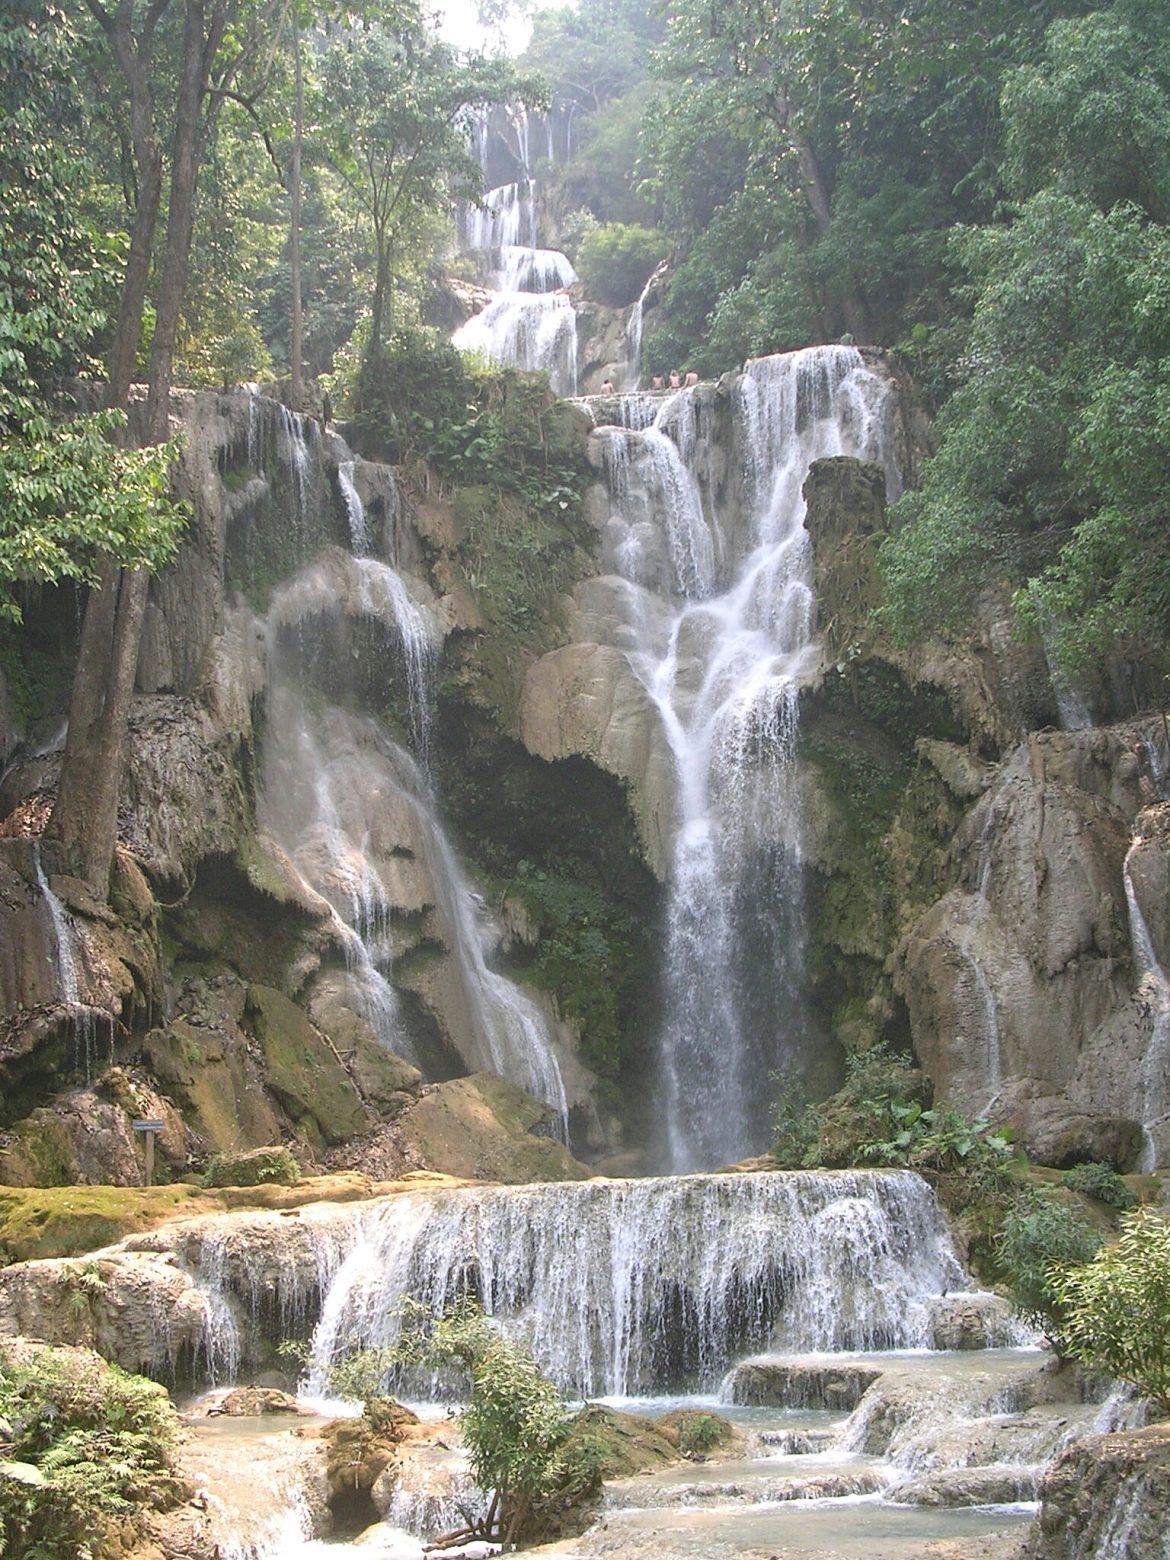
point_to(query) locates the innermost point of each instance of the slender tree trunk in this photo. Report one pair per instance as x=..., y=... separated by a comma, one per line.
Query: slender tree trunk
x=85, y=817
x=186, y=154
x=852, y=307
x=294, y=237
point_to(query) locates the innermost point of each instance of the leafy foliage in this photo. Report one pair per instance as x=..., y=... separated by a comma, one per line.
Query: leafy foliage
x=98, y=1441
x=68, y=491
x=1116, y=1307
x=1041, y=1236
x=1102, y=1182
x=515, y=1426
x=615, y=260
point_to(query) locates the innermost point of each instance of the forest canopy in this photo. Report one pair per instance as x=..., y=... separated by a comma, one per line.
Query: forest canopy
x=984, y=187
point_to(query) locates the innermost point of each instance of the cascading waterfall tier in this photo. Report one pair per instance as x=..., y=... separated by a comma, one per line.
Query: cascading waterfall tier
x=724, y=679
x=531, y=322
x=618, y=1287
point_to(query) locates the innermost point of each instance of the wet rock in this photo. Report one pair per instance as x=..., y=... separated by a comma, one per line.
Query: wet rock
x=251, y=1402
x=988, y=1486
x=1106, y=1495
x=793, y=1384
x=974, y=1321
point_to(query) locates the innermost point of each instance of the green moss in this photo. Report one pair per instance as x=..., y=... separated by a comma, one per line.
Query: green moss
x=302, y=1070
x=256, y=1167
x=67, y=1221
x=39, y=1151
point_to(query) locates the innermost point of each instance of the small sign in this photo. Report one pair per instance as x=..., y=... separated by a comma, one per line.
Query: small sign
x=149, y=1126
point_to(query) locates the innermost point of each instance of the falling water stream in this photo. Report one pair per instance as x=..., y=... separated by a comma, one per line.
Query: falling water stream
x=348, y=803
x=723, y=671
x=530, y=321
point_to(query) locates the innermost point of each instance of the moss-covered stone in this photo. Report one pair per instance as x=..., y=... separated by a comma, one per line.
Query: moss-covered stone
x=302, y=1069
x=483, y=1128
x=268, y=1166
x=623, y=1444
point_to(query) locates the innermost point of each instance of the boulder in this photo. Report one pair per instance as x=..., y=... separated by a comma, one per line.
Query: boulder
x=1106, y=1495
x=486, y=1129
x=302, y=1069
x=837, y=1387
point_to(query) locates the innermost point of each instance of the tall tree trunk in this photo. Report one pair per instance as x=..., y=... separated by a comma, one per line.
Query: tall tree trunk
x=186, y=155
x=85, y=816
x=295, y=352
x=852, y=307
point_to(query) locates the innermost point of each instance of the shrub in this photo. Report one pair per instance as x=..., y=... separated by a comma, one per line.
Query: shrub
x=86, y=1441
x=515, y=1426
x=1102, y=1182
x=1117, y=1307
x=1039, y=1236
x=615, y=260
x=257, y=1167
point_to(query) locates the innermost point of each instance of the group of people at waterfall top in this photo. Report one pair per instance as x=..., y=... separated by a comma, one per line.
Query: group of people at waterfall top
x=673, y=382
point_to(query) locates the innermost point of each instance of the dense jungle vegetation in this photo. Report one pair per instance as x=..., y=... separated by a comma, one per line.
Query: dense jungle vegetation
x=208, y=191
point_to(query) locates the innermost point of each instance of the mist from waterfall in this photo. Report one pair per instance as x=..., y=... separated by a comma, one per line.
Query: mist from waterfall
x=724, y=674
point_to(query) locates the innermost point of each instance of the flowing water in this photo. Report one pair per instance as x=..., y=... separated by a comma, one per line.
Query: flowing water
x=353, y=809
x=531, y=321
x=724, y=676
x=1153, y=1082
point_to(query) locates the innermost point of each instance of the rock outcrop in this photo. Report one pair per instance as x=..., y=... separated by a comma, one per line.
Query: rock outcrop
x=1106, y=1495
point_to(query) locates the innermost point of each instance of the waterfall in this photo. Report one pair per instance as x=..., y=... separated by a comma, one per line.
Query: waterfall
x=1154, y=1073
x=353, y=811
x=355, y=513
x=633, y=336
x=530, y=322
x=724, y=681
x=618, y=1287
x=80, y=1016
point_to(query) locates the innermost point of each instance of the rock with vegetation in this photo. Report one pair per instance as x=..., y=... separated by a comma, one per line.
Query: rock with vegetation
x=1102, y=1486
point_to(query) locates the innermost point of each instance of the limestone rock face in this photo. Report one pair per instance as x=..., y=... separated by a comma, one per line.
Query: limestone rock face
x=484, y=1128
x=1017, y=980
x=1103, y=1487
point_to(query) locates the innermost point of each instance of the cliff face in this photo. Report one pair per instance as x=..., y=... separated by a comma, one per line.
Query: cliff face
x=993, y=891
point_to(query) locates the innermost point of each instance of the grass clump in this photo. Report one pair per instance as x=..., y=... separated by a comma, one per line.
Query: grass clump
x=1101, y=1182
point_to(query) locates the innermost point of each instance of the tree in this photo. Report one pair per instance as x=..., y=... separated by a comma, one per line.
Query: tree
x=1039, y=1238
x=1051, y=468
x=397, y=136
x=69, y=495
x=1116, y=1308
x=515, y=1426
x=220, y=41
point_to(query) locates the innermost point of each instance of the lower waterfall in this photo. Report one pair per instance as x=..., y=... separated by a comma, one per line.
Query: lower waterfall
x=618, y=1287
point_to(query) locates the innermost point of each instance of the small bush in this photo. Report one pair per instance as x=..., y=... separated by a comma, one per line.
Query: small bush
x=1041, y=1235
x=1116, y=1308
x=699, y=1434
x=615, y=260
x=84, y=1442
x=258, y=1167
x=1102, y=1182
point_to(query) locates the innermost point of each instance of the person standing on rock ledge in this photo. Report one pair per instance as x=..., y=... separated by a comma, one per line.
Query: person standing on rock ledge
x=606, y=387
x=675, y=381
x=656, y=382
x=692, y=378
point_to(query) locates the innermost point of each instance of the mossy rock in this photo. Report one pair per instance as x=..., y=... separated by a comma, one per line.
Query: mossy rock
x=273, y=1166
x=701, y=1433
x=303, y=1070
x=623, y=1444
x=64, y=1221
x=487, y=1129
